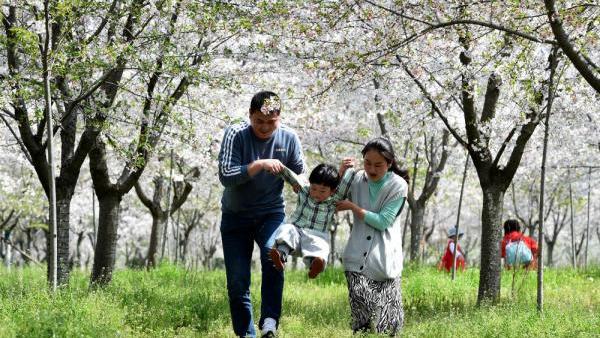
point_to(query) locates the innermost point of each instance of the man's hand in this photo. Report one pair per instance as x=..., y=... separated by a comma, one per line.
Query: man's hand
x=272, y=166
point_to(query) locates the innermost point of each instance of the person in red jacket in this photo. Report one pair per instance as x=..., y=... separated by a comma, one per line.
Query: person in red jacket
x=513, y=237
x=448, y=257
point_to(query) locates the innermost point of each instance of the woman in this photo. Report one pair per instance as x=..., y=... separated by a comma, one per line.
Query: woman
x=373, y=256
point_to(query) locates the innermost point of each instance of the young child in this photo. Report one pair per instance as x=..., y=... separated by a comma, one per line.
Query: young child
x=306, y=232
x=517, y=248
x=448, y=258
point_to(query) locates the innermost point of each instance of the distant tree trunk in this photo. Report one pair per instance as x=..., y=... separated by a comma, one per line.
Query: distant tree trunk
x=573, y=253
x=417, y=215
x=76, y=258
x=159, y=218
x=550, y=253
x=191, y=220
x=158, y=224
x=587, y=228
x=437, y=156
x=159, y=215
x=106, y=241
x=184, y=243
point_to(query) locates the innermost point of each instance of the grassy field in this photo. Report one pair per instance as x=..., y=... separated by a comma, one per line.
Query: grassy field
x=173, y=302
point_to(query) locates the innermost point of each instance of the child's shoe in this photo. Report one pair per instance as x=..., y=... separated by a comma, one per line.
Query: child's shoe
x=278, y=259
x=316, y=267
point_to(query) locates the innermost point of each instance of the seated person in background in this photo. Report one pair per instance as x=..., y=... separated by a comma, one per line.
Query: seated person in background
x=306, y=232
x=517, y=248
x=448, y=257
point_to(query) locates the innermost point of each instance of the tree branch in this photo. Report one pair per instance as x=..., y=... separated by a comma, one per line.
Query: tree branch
x=491, y=98
x=433, y=104
x=567, y=47
x=503, y=146
x=18, y=139
x=102, y=23
x=142, y=196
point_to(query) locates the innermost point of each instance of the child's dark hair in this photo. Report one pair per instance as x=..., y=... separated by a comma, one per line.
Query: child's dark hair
x=259, y=99
x=511, y=225
x=384, y=147
x=326, y=175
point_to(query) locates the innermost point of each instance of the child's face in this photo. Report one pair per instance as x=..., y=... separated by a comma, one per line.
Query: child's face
x=319, y=192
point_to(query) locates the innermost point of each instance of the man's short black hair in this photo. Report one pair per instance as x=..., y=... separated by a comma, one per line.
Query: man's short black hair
x=326, y=175
x=259, y=99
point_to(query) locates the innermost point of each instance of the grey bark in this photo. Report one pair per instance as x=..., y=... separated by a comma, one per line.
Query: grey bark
x=588, y=70
x=417, y=215
x=106, y=241
x=436, y=156
x=559, y=221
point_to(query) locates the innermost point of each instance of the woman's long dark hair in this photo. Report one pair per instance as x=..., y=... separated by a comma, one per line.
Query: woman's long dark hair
x=384, y=147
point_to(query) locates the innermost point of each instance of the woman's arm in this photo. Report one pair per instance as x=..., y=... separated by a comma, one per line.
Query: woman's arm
x=381, y=220
x=344, y=187
x=385, y=218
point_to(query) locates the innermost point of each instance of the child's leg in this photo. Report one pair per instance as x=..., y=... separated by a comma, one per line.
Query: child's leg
x=315, y=250
x=287, y=240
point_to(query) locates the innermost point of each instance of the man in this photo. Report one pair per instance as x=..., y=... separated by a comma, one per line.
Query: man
x=252, y=208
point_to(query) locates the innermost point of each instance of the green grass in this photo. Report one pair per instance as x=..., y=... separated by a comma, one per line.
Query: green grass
x=173, y=302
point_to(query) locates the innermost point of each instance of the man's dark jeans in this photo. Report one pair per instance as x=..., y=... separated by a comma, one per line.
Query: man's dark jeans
x=238, y=234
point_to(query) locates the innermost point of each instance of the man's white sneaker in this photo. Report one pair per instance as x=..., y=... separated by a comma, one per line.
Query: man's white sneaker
x=269, y=328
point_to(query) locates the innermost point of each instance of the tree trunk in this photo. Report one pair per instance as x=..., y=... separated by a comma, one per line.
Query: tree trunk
x=106, y=242
x=417, y=213
x=184, y=246
x=491, y=236
x=5, y=249
x=550, y=253
x=158, y=224
x=63, y=213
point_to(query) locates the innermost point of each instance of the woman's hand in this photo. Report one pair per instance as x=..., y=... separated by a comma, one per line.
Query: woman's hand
x=345, y=205
x=347, y=162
